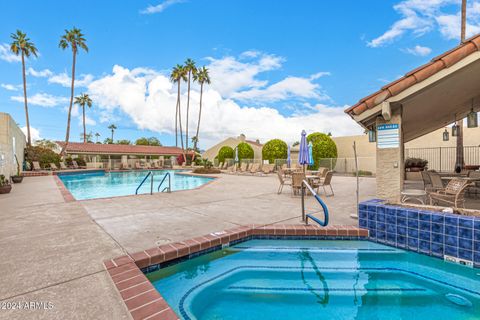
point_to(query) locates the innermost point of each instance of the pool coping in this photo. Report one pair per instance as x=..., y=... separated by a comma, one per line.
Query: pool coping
x=68, y=196
x=143, y=301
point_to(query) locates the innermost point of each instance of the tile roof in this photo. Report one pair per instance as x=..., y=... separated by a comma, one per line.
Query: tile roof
x=119, y=149
x=254, y=143
x=415, y=76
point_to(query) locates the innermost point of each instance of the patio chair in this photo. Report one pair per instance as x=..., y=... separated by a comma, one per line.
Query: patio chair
x=297, y=180
x=63, y=166
x=436, y=183
x=453, y=194
x=75, y=165
x=427, y=183
x=267, y=168
x=322, y=173
x=36, y=166
x=283, y=181
x=137, y=166
x=254, y=168
x=53, y=166
x=243, y=167
x=327, y=182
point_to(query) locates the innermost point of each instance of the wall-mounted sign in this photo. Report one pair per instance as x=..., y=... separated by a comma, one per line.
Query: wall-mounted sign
x=388, y=136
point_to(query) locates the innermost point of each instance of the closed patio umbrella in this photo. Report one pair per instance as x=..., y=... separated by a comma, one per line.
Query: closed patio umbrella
x=236, y=155
x=303, y=153
x=289, y=160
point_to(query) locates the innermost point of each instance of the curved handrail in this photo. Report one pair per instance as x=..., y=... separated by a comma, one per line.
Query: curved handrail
x=144, y=179
x=324, y=206
x=169, y=188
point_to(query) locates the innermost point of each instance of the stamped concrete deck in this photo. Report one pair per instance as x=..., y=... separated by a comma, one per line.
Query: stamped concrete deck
x=52, y=251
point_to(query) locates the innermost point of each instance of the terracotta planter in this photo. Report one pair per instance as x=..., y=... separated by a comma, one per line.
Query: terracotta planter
x=5, y=189
x=17, y=179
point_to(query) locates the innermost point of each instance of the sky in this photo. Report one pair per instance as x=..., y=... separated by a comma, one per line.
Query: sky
x=276, y=67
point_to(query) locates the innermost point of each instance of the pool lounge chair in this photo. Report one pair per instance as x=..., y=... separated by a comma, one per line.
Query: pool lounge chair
x=243, y=168
x=453, y=194
x=137, y=166
x=36, y=166
x=63, y=166
x=436, y=183
x=267, y=168
x=53, y=166
x=254, y=168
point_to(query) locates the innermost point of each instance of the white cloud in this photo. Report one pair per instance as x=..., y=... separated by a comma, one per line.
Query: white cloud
x=65, y=80
x=418, y=51
x=423, y=16
x=40, y=73
x=150, y=103
x=42, y=100
x=10, y=87
x=7, y=55
x=34, y=133
x=160, y=7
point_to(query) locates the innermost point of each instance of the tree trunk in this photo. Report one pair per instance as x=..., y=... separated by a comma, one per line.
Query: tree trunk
x=29, y=139
x=188, y=110
x=464, y=21
x=112, y=135
x=459, y=161
x=199, y=118
x=180, y=122
x=84, y=127
x=176, y=123
x=72, y=92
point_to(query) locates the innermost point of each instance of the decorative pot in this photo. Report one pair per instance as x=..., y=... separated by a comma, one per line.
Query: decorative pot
x=5, y=189
x=416, y=169
x=17, y=179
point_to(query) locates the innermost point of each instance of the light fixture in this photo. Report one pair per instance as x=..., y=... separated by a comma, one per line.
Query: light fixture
x=472, y=118
x=455, y=128
x=446, y=135
x=372, y=135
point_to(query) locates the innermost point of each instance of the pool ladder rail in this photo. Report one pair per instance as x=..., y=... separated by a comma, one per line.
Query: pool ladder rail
x=305, y=217
x=150, y=174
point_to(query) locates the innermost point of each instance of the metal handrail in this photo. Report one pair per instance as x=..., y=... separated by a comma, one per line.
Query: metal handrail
x=324, y=206
x=150, y=173
x=169, y=188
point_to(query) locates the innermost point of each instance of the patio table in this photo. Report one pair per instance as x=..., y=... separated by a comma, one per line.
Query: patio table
x=413, y=194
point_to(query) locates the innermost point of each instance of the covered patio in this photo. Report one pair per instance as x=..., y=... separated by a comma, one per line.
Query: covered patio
x=433, y=96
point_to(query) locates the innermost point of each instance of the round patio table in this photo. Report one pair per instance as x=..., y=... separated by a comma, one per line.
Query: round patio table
x=414, y=194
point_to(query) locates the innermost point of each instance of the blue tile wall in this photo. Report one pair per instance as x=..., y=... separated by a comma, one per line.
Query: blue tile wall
x=428, y=232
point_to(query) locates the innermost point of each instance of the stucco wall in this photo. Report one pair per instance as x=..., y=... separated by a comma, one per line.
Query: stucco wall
x=211, y=153
x=12, y=142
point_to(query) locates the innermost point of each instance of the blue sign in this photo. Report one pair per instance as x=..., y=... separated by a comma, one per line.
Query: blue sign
x=388, y=136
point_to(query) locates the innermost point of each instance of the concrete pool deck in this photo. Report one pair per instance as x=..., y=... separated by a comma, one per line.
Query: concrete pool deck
x=53, y=251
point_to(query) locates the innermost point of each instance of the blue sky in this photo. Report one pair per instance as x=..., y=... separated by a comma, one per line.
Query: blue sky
x=276, y=66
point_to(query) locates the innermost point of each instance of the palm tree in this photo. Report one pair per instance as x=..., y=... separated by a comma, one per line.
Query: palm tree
x=96, y=136
x=74, y=39
x=459, y=161
x=84, y=100
x=191, y=70
x=178, y=75
x=201, y=77
x=22, y=45
x=112, y=127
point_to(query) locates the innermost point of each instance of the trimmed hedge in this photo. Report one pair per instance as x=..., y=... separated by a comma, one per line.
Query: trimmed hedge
x=323, y=147
x=274, y=149
x=245, y=151
x=225, y=152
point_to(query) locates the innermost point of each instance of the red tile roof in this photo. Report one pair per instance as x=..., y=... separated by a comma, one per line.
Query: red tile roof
x=415, y=76
x=119, y=149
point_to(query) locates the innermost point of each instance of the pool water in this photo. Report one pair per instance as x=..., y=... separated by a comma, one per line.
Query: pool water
x=100, y=184
x=316, y=279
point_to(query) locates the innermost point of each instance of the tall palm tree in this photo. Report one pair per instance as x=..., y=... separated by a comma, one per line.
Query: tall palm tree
x=178, y=75
x=75, y=40
x=202, y=77
x=84, y=100
x=96, y=136
x=459, y=161
x=23, y=46
x=191, y=71
x=112, y=127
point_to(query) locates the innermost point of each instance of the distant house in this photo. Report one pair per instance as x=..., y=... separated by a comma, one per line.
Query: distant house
x=12, y=144
x=212, y=152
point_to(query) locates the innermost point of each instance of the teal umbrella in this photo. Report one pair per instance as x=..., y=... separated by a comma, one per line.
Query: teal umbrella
x=310, y=154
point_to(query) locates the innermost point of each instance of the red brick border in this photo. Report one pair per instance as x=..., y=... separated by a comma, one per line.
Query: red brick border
x=67, y=196
x=145, y=302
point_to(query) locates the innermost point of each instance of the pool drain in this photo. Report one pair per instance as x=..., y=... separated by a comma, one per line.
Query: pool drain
x=458, y=300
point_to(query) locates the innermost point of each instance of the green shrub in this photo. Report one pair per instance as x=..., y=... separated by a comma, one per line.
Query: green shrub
x=245, y=151
x=323, y=147
x=225, y=152
x=274, y=149
x=44, y=156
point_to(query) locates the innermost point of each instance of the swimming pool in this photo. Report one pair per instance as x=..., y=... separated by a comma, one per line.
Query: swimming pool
x=100, y=184
x=318, y=279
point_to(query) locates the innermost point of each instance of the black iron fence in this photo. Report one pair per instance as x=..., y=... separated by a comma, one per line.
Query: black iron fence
x=443, y=158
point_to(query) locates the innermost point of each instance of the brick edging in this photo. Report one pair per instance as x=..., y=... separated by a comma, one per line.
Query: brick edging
x=144, y=302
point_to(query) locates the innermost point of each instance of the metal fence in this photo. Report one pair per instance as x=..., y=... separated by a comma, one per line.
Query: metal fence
x=443, y=158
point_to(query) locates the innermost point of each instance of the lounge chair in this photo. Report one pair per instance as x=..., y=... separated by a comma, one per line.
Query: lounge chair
x=63, y=166
x=267, y=168
x=75, y=164
x=436, y=183
x=283, y=181
x=326, y=182
x=53, y=166
x=427, y=183
x=254, y=168
x=137, y=166
x=220, y=165
x=243, y=167
x=453, y=194
x=36, y=166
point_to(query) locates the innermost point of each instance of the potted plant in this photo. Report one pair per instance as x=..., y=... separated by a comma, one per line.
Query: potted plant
x=17, y=178
x=415, y=164
x=5, y=186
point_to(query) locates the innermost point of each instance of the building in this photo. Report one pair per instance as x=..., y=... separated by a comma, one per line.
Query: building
x=112, y=155
x=212, y=152
x=12, y=145
x=423, y=101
